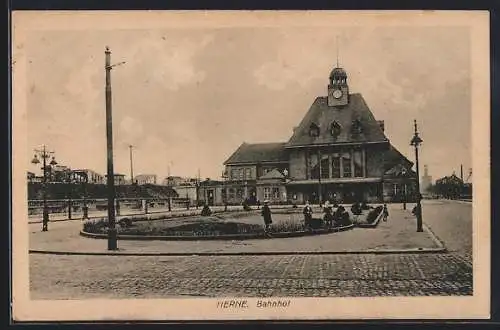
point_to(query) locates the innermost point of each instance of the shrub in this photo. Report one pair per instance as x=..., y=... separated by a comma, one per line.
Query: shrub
x=206, y=211
x=365, y=206
x=373, y=214
x=356, y=208
x=95, y=226
x=125, y=222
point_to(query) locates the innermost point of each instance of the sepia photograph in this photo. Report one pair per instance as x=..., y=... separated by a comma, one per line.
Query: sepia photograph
x=250, y=165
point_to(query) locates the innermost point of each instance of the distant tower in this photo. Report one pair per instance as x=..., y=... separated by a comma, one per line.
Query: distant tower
x=426, y=179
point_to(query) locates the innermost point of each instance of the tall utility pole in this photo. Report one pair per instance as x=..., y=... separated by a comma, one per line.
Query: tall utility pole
x=131, y=165
x=112, y=244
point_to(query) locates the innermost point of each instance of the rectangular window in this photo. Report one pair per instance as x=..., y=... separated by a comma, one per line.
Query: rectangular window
x=336, y=165
x=231, y=193
x=248, y=173
x=346, y=164
x=325, y=167
x=233, y=174
x=267, y=193
x=276, y=193
x=358, y=163
x=313, y=165
x=241, y=173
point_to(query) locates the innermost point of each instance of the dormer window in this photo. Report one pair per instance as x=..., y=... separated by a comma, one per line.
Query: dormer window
x=314, y=130
x=335, y=129
x=356, y=127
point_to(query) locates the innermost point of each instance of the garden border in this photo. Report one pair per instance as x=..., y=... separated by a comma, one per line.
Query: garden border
x=374, y=224
x=221, y=237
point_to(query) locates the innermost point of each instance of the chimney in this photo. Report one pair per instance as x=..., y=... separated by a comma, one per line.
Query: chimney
x=382, y=125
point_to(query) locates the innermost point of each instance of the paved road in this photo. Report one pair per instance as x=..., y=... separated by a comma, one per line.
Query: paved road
x=303, y=275
x=77, y=277
x=451, y=221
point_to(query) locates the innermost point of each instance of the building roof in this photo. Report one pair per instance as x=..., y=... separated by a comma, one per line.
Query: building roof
x=274, y=174
x=258, y=152
x=393, y=157
x=323, y=116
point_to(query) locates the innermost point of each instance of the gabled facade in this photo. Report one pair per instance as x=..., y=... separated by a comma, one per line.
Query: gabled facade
x=338, y=152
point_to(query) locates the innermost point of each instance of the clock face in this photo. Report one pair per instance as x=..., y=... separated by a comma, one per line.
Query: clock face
x=337, y=93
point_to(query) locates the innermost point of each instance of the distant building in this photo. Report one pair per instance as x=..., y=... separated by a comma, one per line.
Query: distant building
x=145, y=179
x=92, y=176
x=450, y=186
x=30, y=176
x=426, y=179
x=173, y=181
x=119, y=179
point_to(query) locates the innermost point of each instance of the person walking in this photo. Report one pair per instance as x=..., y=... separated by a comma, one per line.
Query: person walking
x=307, y=211
x=266, y=214
x=386, y=212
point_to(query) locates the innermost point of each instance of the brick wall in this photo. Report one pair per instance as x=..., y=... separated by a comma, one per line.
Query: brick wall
x=297, y=165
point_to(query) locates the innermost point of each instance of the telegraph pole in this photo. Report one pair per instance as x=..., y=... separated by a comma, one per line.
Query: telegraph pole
x=131, y=165
x=112, y=244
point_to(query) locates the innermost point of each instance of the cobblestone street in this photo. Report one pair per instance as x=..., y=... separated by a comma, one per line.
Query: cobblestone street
x=302, y=275
x=364, y=274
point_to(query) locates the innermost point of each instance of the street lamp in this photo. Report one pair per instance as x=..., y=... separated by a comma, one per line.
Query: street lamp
x=404, y=188
x=415, y=142
x=224, y=176
x=44, y=154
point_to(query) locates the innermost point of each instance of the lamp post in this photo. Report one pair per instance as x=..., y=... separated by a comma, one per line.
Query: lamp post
x=415, y=142
x=404, y=188
x=44, y=154
x=224, y=175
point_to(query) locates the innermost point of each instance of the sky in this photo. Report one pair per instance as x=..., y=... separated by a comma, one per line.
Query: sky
x=187, y=98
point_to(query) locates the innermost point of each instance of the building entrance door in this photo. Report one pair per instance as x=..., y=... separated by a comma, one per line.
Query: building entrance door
x=210, y=194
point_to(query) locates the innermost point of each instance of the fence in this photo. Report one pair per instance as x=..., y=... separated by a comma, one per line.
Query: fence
x=97, y=207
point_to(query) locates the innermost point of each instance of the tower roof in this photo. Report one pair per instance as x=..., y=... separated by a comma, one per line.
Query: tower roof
x=338, y=73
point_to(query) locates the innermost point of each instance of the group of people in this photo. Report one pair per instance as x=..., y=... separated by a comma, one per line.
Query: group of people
x=330, y=217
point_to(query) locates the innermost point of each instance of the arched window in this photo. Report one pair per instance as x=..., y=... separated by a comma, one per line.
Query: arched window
x=314, y=130
x=335, y=128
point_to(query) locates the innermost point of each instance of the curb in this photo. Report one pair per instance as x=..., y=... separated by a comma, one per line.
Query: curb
x=220, y=237
x=214, y=254
x=434, y=237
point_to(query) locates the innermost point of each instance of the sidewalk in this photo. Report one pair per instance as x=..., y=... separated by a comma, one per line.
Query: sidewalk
x=397, y=235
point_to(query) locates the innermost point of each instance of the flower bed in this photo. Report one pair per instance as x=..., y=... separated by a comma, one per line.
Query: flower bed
x=198, y=227
x=369, y=218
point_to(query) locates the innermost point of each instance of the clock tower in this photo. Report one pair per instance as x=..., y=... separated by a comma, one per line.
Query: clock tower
x=338, y=90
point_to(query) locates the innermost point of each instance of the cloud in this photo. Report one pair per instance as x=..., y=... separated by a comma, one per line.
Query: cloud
x=131, y=128
x=170, y=60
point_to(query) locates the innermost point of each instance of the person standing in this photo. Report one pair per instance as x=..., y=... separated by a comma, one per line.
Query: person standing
x=328, y=214
x=266, y=214
x=386, y=212
x=307, y=211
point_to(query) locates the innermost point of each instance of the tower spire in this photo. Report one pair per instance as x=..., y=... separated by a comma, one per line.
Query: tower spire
x=337, y=51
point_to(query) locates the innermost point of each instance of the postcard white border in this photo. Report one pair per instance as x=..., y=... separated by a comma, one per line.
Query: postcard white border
x=473, y=307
